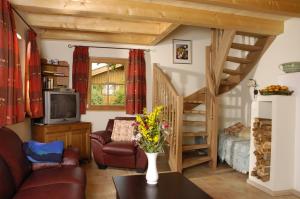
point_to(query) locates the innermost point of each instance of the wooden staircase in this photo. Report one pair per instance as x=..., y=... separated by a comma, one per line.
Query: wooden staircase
x=247, y=50
x=195, y=130
x=194, y=119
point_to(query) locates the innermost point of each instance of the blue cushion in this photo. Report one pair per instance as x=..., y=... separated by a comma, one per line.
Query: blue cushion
x=44, y=152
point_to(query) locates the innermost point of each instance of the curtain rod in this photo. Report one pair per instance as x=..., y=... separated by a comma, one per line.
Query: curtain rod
x=106, y=47
x=21, y=17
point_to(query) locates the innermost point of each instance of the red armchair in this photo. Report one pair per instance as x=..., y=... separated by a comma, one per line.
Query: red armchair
x=117, y=154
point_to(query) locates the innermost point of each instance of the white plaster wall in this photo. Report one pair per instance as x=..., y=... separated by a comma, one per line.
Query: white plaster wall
x=236, y=104
x=286, y=48
x=187, y=78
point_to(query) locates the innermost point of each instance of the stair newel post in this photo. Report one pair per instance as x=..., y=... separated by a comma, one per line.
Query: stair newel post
x=211, y=108
x=179, y=110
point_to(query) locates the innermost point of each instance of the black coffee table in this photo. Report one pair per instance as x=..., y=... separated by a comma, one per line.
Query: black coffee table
x=170, y=186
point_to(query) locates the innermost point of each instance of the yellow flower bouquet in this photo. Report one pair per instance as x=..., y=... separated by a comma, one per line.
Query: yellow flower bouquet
x=150, y=131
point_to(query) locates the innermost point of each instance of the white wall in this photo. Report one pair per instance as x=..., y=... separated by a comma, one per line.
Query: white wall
x=235, y=105
x=186, y=77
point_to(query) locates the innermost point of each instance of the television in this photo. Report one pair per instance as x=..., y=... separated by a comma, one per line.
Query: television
x=61, y=107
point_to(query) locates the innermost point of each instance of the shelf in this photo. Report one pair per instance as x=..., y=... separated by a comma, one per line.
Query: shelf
x=48, y=75
x=54, y=65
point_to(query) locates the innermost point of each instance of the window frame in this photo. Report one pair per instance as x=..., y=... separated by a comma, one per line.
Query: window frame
x=91, y=107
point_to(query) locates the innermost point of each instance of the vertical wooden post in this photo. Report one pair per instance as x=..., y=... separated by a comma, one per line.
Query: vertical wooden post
x=214, y=132
x=179, y=108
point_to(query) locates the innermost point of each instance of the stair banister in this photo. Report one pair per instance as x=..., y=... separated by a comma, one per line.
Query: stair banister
x=164, y=94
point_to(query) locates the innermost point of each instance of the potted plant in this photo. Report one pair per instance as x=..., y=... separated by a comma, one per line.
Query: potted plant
x=150, y=135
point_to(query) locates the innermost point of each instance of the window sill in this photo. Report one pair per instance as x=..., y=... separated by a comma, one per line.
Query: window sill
x=106, y=108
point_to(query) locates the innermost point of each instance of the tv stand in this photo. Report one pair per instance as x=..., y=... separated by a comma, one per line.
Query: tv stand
x=72, y=134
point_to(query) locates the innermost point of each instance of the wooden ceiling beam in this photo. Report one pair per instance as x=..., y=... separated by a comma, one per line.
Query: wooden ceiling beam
x=99, y=24
x=289, y=8
x=166, y=30
x=155, y=12
x=97, y=37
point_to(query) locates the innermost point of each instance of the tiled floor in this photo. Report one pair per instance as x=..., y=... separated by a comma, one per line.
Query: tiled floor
x=221, y=184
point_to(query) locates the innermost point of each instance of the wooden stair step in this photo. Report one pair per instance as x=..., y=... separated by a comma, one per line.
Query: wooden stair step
x=231, y=72
x=245, y=47
x=194, y=101
x=194, y=123
x=238, y=60
x=194, y=134
x=227, y=83
x=194, y=146
x=192, y=161
x=194, y=112
x=249, y=34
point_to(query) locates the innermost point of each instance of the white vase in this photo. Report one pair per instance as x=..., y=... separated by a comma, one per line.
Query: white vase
x=152, y=174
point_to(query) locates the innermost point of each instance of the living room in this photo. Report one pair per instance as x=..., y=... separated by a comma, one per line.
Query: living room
x=62, y=30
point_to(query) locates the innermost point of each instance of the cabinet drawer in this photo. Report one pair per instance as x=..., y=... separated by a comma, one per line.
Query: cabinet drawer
x=81, y=126
x=57, y=137
x=55, y=129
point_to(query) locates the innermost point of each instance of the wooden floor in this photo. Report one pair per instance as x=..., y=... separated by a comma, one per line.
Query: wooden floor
x=224, y=183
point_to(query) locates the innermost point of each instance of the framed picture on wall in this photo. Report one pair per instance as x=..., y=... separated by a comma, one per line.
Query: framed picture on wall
x=182, y=51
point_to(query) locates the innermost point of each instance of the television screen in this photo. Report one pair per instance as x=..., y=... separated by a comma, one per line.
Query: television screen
x=63, y=106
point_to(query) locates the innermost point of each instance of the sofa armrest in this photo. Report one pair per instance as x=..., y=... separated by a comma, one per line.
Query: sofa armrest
x=70, y=158
x=102, y=136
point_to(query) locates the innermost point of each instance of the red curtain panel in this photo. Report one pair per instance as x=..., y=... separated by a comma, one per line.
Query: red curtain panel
x=136, y=83
x=80, y=75
x=33, y=85
x=11, y=93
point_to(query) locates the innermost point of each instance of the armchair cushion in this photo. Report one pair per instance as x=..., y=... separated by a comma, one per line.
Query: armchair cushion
x=102, y=136
x=123, y=130
x=120, y=148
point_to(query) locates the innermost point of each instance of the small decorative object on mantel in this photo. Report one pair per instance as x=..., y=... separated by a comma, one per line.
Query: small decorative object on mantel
x=276, y=90
x=182, y=51
x=252, y=84
x=290, y=67
x=150, y=135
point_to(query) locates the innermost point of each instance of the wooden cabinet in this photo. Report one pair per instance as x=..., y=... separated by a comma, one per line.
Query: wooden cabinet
x=73, y=135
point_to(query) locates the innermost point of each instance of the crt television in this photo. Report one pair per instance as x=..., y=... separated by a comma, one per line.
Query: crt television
x=61, y=107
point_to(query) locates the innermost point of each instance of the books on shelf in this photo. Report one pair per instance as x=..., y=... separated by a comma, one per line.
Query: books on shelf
x=48, y=83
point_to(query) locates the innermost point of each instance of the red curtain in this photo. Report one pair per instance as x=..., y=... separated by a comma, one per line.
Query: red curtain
x=80, y=75
x=136, y=83
x=11, y=94
x=33, y=86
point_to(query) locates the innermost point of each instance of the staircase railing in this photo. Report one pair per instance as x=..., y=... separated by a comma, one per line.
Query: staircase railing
x=164, y=94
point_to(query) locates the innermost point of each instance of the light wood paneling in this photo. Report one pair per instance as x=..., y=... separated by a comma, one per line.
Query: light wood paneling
x=94, y=24
x=153, y=11
x=100, y=37
x=278, y=7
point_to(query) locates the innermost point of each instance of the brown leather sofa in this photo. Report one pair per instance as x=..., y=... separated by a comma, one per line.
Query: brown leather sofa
x=117, y=154
x=19, y=181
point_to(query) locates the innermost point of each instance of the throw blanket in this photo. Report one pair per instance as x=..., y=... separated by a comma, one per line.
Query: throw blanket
x=44, y=152
x=235, y=151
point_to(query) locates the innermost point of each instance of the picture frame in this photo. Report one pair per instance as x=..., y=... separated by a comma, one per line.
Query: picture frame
x=182, y=51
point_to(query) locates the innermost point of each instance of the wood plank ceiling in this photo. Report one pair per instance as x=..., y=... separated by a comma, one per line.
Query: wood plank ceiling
x=147, y=22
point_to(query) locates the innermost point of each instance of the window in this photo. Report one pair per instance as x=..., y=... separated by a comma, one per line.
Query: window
x=107, y=84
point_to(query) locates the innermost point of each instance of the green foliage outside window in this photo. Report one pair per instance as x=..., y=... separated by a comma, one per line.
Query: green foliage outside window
x=119, y=97
x=96, y=97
